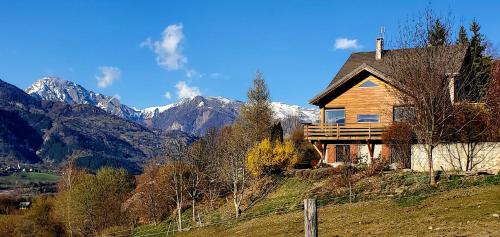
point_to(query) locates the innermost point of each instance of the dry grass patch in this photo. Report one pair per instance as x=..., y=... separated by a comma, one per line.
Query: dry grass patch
x=461, y=212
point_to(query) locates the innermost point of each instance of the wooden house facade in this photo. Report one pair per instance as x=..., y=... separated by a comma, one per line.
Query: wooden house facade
x=356, y=108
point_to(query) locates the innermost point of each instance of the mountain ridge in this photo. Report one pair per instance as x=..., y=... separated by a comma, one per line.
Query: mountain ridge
x=51, y=132
x=194, y=115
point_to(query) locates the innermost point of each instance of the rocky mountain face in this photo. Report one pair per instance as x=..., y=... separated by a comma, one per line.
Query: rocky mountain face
x=34, y=130
x=194, y=116
x=197, y=115
x=55, y=89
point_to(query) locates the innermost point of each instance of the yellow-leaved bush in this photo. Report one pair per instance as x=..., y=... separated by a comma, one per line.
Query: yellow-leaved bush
x=266, y=157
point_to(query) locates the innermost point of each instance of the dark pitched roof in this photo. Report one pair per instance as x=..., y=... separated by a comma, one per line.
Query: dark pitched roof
x=365, y=61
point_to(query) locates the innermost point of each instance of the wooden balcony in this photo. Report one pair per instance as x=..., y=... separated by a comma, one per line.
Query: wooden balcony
x=347, y=132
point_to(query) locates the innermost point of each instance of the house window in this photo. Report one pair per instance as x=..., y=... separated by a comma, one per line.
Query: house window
x=368, y=118
x=335, y=116
x=368, y=84
x=402, y=113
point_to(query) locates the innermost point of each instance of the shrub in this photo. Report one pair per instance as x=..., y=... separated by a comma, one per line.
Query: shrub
x=307, y=155
x=399, y=138
x=266, y=158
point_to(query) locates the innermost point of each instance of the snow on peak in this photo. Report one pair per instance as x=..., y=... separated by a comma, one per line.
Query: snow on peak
x=57, y=89
x=153, y=111
x=222, y=99
x=282, y=111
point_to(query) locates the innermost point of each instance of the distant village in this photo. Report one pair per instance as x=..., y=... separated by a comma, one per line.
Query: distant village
x=8, y=170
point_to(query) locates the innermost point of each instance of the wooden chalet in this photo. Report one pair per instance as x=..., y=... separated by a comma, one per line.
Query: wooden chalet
x=356, y=107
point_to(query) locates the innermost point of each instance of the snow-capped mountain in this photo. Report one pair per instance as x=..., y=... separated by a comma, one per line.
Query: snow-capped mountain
x=56, y=89
x=198, y=114
x=191, y=115
x=282, y=111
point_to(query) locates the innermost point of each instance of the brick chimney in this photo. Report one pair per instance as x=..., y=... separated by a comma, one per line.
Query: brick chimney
x=379, y=48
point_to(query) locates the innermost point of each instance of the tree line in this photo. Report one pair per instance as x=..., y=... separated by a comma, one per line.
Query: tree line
x=185, y=179
x=446, y=87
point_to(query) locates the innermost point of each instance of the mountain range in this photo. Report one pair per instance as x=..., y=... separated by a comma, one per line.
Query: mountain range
x=41, y=131
x=54, y=120
x=193, y=116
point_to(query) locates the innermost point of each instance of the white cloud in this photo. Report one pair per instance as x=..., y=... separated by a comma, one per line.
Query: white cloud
x=108, y=75
x=168, y=95
x=186, y=91
x=168, y=50
x=344, y=43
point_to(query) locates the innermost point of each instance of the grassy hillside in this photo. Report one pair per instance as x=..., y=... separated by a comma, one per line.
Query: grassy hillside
x=27, y=178
x=462, y=212
x=383, y=205
x=31, y=177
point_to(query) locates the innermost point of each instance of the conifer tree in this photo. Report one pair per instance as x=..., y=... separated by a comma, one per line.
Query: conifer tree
x=438, y=34
x=462, y=37
x=480, y=66
x=256, y=115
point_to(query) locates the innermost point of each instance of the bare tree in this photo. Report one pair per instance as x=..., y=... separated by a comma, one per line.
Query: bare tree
x=154, y=202
x=198, y=163
x=214, y=185
x=399, y=138
x=471, y=129
x=440, y=83
x=174, y=175
x=493, y=102
x=421, y=77
x=70, y=176
x=232, y=153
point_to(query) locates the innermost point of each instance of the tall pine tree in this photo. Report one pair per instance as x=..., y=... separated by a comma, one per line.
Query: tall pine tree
x=462, y=37
x=479, y=73
x=438, y=34
x=256, y=115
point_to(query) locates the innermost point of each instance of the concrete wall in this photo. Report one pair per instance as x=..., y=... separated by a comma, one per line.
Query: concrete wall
x=453, y=157
x=364, y=154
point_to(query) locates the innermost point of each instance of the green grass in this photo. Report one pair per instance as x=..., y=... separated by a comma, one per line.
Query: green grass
x=153, y=230
x=25, y=178
x=376, y=205
x=286, y=196
x=461, y=212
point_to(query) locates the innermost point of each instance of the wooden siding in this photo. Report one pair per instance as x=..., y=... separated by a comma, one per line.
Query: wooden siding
x=364, y=100
x=330, y=157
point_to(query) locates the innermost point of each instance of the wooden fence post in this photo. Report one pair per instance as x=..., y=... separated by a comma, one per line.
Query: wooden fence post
x=310, y=218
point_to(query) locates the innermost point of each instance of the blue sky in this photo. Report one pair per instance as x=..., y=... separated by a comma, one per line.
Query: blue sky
x=151, y=52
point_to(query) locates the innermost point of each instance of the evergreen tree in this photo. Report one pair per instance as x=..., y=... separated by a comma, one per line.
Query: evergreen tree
x=477, y=41
x=462, y=37
x=438, y=34
x=479, y=72
x=277, y=132
x=256, y=115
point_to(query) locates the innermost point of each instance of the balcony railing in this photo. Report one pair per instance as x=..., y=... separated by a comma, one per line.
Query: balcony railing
x=343, y=132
